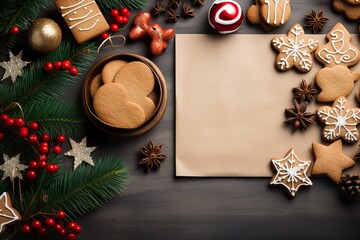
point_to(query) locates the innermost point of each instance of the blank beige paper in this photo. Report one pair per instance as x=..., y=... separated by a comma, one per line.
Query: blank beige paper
x=230, y=103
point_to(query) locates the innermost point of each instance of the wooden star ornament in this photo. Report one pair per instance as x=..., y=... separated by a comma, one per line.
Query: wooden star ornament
x=331, y=160
x=8, y=214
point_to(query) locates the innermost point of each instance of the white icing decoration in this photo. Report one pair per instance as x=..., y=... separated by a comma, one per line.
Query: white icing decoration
x=291, y=172
x=71, y=6
x=11, y=218
x=295, y=48
x=85, y=8
x=87, y=19
x=76, y=8
x=339, y=55
x=75, y=12
x=82, y=17
x=340, y=118
x=283, y=13
x=276, y=5
x=92, y=26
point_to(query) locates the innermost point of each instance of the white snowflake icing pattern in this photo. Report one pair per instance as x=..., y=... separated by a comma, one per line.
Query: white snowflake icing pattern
x=291, y=172
x=295, y=48
x=340, y=121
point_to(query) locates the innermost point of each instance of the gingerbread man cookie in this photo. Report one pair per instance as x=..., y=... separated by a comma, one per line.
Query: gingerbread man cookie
x=351, y=8
x=275, y=12
x=339, y=50
x=253, y=15
x=294, y=50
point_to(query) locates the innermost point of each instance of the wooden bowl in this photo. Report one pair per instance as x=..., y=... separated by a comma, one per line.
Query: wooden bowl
x=159, y=95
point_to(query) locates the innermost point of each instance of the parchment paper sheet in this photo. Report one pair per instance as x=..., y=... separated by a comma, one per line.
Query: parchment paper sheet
x=230, y=103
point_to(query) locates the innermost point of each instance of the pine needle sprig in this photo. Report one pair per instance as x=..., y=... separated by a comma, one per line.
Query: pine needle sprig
x=87, y=188
x=105, y=5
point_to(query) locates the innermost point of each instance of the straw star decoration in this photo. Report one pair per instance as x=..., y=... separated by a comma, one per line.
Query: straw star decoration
x=12, y=168
x=13, y=67
x=80, y=152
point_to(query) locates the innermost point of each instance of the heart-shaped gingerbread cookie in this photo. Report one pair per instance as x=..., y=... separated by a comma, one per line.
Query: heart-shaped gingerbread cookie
x=110, y=69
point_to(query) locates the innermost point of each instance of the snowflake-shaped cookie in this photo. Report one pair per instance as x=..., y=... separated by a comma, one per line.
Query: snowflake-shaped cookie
x=340, y=121
x=294, y=50
x=291, y=172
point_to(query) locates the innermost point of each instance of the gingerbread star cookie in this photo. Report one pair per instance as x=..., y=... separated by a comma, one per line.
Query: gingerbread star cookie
x=291, y=172
x=294, y=50
x=340, y=121
x=331, y=160
x=339, y=50
x=8, y=214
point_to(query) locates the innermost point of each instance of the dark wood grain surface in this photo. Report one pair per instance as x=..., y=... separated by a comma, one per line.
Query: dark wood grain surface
x=159, y=205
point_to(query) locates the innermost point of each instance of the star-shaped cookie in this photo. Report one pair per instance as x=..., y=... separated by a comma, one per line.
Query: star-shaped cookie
x=8, y=214
x=331, y=160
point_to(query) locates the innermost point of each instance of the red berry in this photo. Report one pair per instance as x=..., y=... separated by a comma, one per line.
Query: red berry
x=26, y=229
x=44, y=144
x=4, y=116
x=33, y=165
x=77, y=229
x=50, y=222
x=73, y=71
x=42, y=164
x=36, y=224
x=48, y=67
x=58, y=65
x=52, y=168
x=58, y=227
x=42, y=157
x=114, y=27
x=61, y=214
x=105, y=35
x=43, y=149
x=42, y=231
x=125, y=12
x=119, y=20
x=9, y=122
x=45, y=137
x=66, y=65
x=23, y=132
x=126, y=20
x=62, y=232
x=34, y=126
x=72, y=225
x=71, y=236
x=19, y=122
x=2, y=136
x=31, y=175
x=115, y=13
x=57, y=150
x=32, y=138
x=61, y=138
x=14, y=30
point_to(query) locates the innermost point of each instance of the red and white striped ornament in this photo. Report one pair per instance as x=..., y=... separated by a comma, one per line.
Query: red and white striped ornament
x=225, y=16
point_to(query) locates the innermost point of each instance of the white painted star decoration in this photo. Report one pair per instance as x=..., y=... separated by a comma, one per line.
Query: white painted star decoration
x=80, y=152
x=12, y=168
x=291, y=172
x=13, y=67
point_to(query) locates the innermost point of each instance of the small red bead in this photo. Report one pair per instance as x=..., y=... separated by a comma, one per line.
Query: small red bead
x=42, y=231
x=4, y=116
x=71, y=236
x=14, y=30
x=48, y=67
x=2, y=136
x=73, y=71
x=43, y=149
x=57, y=150
x=33, y=165
x=119, y=20
x=41, y=157
x=45, y=137
x=32, y=138
x=58, y=65
x=61, y=138
x=23, y=132
x=115, y=13
x=52, y=168
x=50, y=222
x=125, y=12
x=26, y=229
x=19, y=122
x=34, y=126
x=36, y=224
x=31, y=175
x=114, y=27
x=58, y=227
x=72, y=225
x=62, y=232
x=105, y=35
x=9, y=122
x=44, y=144
x=66, y=65
x=126, y=20
x=77, y=229
x=61, y=214
x=42, y=164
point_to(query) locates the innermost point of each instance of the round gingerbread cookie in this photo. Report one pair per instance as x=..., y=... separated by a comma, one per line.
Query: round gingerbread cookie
x=110, y=69
x=95, y=84
x=112, y=105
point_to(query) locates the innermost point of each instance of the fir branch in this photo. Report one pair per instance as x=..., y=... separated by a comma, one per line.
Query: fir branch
x=87, y=188
x=105, y=5
x=35, y=84
x=4, y=186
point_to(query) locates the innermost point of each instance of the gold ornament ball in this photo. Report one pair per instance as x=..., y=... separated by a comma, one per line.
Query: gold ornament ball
x=44, y=35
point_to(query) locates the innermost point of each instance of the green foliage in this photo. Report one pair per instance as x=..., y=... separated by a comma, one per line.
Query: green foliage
x=105, y=5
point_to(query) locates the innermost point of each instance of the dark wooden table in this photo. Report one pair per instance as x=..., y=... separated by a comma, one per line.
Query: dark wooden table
x=159, y=205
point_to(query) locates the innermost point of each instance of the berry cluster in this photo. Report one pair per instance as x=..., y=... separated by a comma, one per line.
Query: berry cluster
x=59, y=66
x=119, y=18
x=39, y=143
x=68, y=230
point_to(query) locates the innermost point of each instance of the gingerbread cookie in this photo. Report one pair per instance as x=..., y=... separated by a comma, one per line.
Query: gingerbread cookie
x=275, y=12
x=112, y=105
x=8, y=214
x=294, y=50
x=139, y=81
x=109, y=71
x=253, y=15
x=335, y=82
x=339, y=50
x=291, y=172
x=83, y=17
x=340, y=121
x=95, y=84
x=331, y=160
x=351, y=8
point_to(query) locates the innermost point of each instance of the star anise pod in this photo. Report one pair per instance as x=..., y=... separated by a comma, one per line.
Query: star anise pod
x=152, y=156
x=172, y=16
x=158, y=9
x=350, y=185
x=198, y=2
x=305, y=92
x=316, y=21
x=173, y=4
x=187, y=11
x=298, y=116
